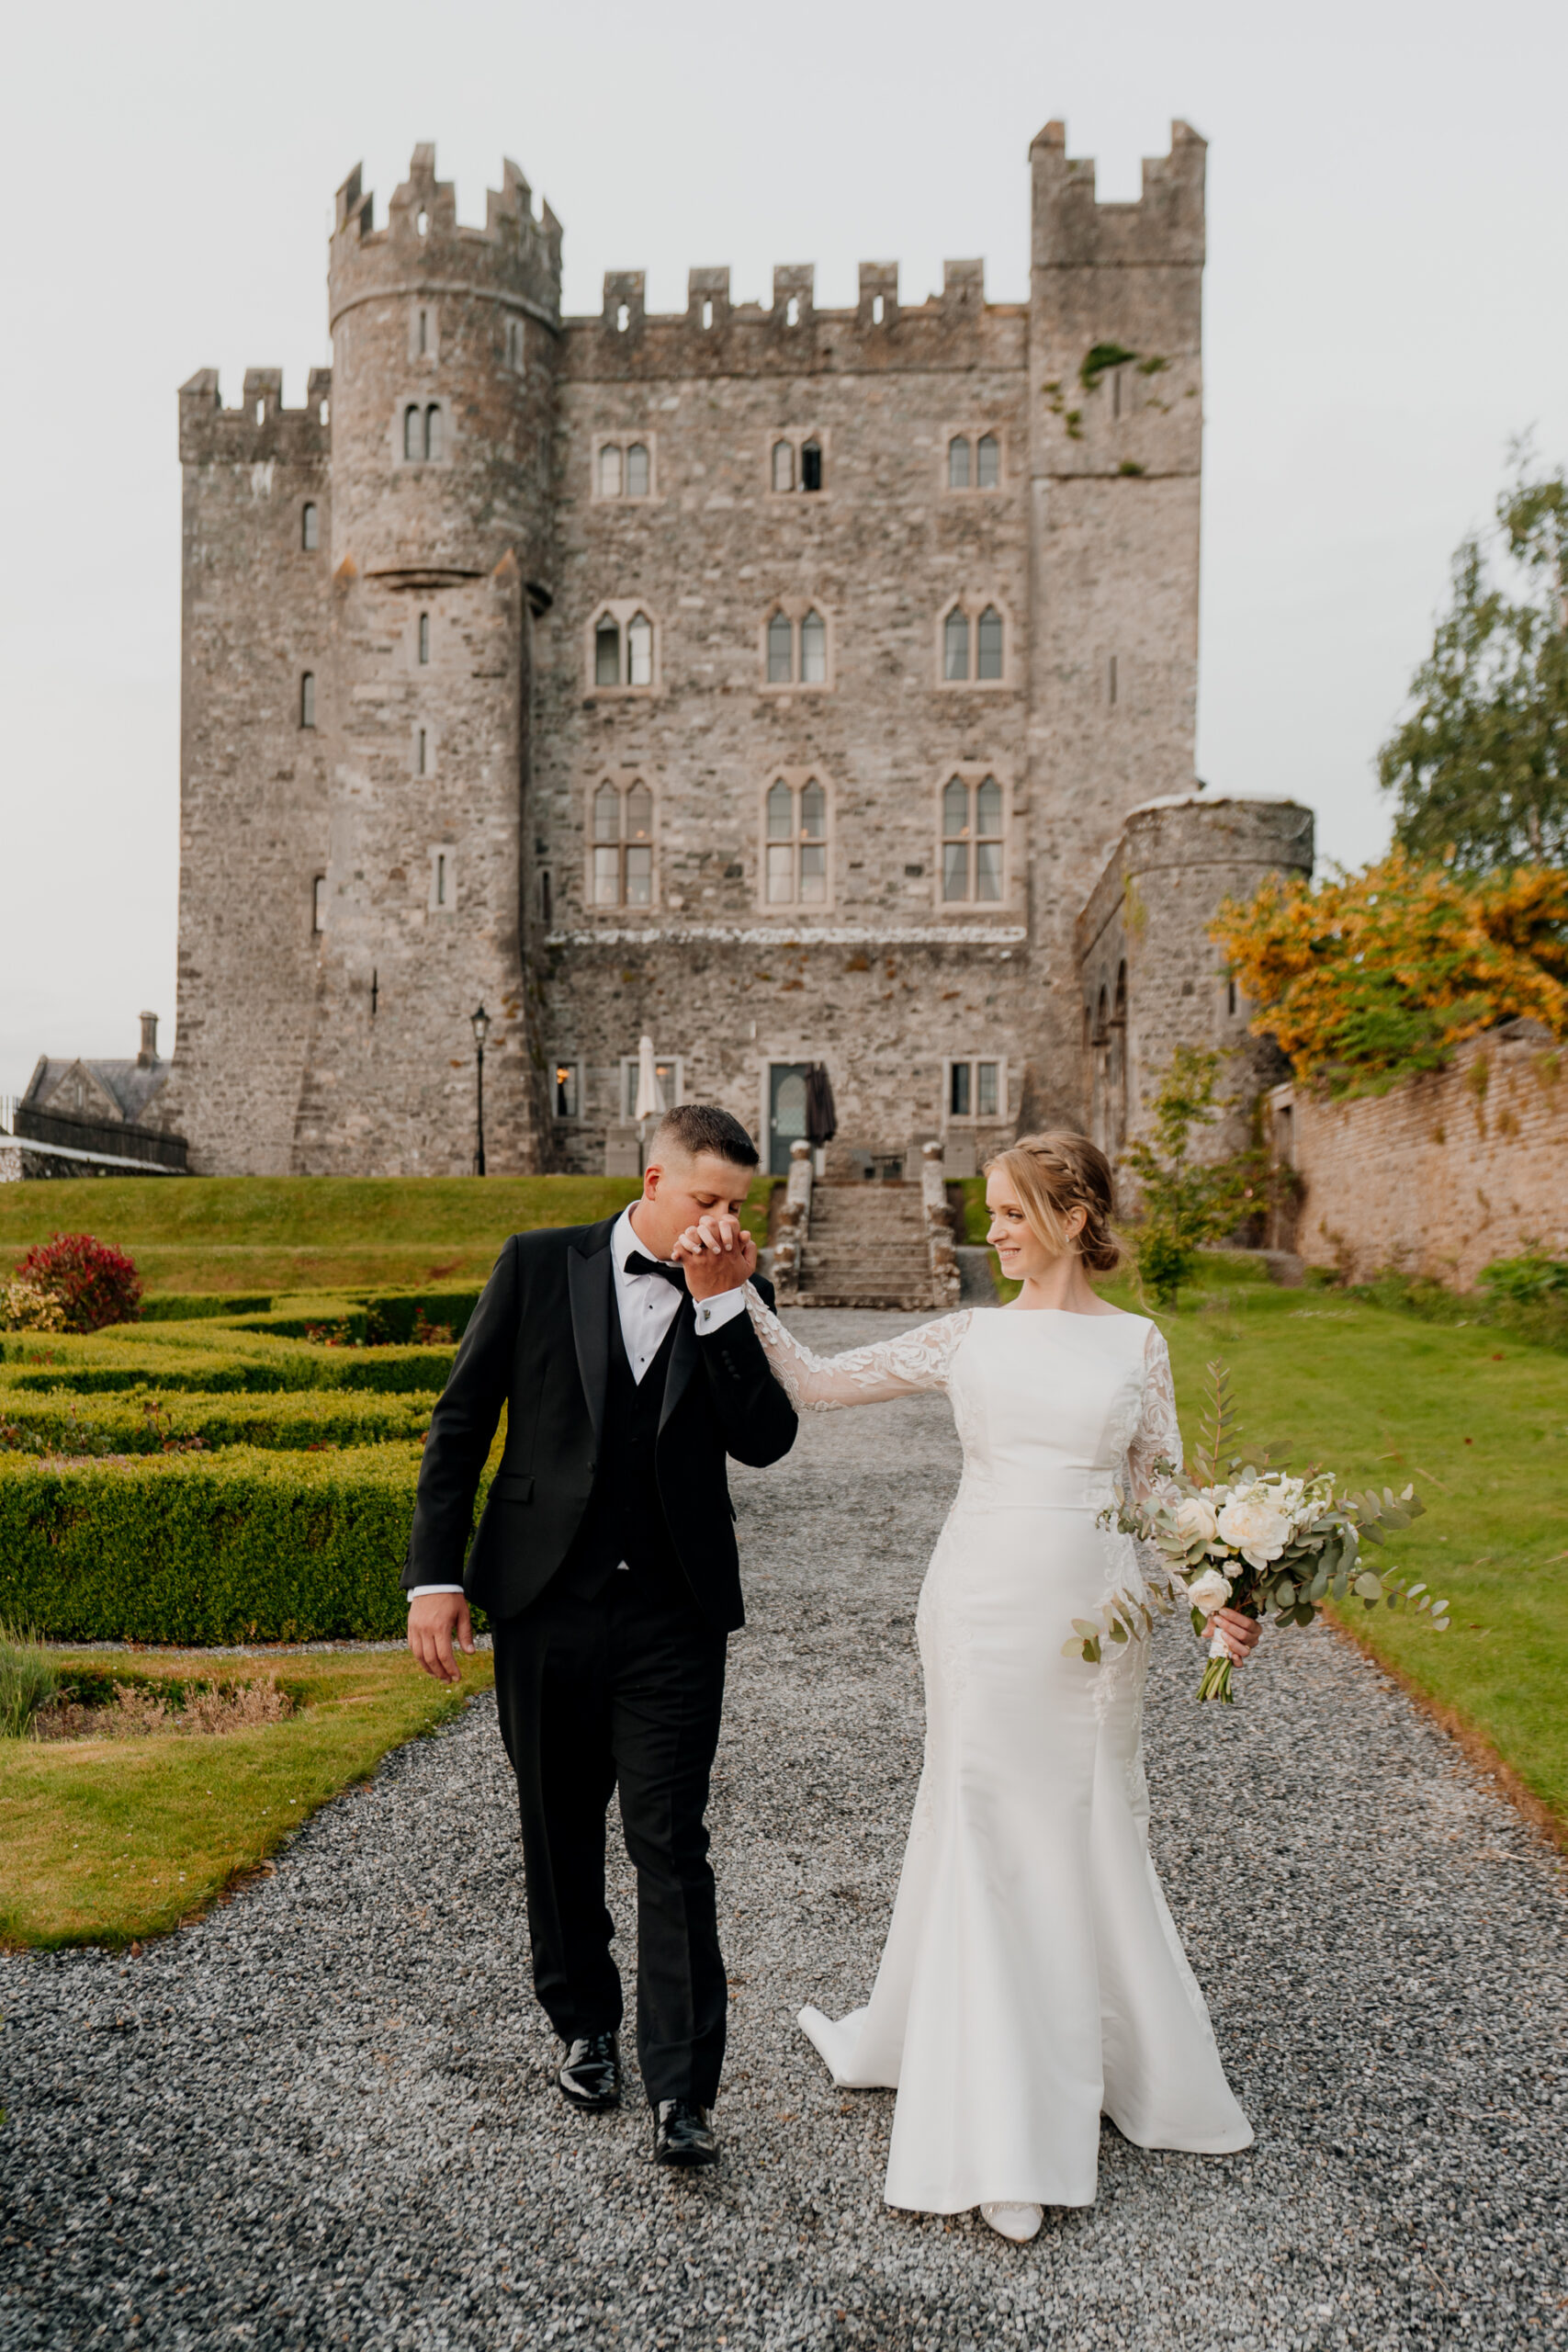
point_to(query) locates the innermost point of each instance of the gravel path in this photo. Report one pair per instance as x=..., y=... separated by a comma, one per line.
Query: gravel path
x=325, y=2115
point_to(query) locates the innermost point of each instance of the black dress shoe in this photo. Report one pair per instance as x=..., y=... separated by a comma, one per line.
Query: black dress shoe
x=590, y=2078
x=683, y=2134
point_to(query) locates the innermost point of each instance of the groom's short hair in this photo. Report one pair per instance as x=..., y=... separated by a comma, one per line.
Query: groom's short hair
x=692, y=1127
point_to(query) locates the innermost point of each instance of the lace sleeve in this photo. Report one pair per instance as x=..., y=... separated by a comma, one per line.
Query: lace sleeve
x=871, y=1376
x=1157, y=1437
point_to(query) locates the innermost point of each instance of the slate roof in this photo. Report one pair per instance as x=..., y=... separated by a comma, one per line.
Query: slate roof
x=128, y=1086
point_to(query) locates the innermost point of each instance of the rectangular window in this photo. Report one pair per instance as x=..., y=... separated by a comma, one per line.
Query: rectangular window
x=567, y=1090
x=958, y=1090
x=985, y=1090
x=669, y=1079
x=607, y=878
x=974, y=1090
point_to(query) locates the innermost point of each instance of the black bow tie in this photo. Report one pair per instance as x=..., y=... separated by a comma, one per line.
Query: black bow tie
x=637, y=1264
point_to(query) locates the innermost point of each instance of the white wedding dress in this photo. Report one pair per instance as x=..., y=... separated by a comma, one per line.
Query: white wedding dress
x=1032, y=1977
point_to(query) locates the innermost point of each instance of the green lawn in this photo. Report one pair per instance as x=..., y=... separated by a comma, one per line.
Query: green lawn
x=1479, y=1423
x=312, y=1233
x=104, y=1840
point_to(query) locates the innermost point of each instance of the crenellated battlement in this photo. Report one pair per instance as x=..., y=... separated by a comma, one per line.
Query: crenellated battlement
x=1072, y=229
x=716, y=336
x=261, y=428
x=424, y=243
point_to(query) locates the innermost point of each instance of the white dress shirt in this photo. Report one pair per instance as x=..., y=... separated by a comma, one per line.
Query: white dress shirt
x=647, y=1305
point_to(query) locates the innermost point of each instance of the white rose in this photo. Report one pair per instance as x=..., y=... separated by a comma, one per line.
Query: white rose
x=1209, y=1592
x=1194, y=1516
x=1254, y=1522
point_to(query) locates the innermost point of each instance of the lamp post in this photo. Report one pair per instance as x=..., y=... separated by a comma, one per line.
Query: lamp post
x=479, y=1022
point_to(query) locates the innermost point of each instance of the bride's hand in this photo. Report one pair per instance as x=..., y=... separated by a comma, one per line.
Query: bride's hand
x=717, y=1255
x=1238, y=1634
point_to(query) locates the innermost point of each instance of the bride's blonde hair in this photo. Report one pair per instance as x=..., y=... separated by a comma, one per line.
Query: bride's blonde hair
x=1053, y=1174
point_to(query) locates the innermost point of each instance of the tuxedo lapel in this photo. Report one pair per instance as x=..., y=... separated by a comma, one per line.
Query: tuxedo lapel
x=683, y=1361
x=590, y=1278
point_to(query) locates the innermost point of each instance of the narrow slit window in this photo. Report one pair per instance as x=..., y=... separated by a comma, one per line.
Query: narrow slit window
x=955, y=645
x=792, y=312
x=878, y=309
x=1111, y=680
x=639, y=651
x=433, y=430
x=781, y=650
x=956, y=840
x=813, y=651
x=421, y=752
x=423, y=333
x=411, y=434
x=308, y=699
x=610, y=470
x=958, y=464
x=636, y=470
x=988, y=463
x=811, y=466
x=707, y=315
x=515, y=345
x=988, y=639
x=309, y=527
x=1230, y=998
x=607, y=654
x=318, y=903
x=423, y=639
x=546, y=913
x=784, y=466
x=440, y=879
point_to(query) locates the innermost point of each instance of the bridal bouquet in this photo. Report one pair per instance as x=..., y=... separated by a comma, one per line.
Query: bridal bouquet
x=1253, y=1540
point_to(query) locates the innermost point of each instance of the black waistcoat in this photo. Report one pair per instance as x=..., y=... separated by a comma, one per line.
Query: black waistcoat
x=624, y=1518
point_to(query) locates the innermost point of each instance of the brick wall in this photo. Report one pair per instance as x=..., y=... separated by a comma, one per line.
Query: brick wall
x=1443, y=1173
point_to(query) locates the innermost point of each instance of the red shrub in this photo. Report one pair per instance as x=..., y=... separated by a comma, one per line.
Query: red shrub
x=96, y=1284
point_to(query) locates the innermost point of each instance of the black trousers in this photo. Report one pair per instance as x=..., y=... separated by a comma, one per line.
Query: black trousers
x=624, y=1690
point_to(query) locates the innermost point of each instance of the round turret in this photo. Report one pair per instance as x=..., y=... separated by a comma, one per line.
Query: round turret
x=444, y=343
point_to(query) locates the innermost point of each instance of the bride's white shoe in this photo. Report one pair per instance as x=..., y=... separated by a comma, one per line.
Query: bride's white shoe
x=1018, y=2223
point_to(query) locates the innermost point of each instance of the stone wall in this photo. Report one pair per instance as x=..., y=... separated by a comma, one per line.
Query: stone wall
x=1444, y=1172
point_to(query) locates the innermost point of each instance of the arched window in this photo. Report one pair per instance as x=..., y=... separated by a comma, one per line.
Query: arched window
x=971, y=841
x=988, y=637
x=988, y=461
x=639, y=651
x=309, y=527
x=636, y=470
x=958, y=463
x=784, y=466
x=623, y=846
x=308, y=699
x=610, y=470
x=813, y=651
x=781, y=650
x=797, y=849
x=955, y=645
x=411, y=434
x=433, y=430
x=607, y=653
x=424, y=638
x=811, y=465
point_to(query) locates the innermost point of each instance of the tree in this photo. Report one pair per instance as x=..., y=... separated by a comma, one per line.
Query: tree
x=1478, y=766
x=1186, y=1202
x=1372, y=976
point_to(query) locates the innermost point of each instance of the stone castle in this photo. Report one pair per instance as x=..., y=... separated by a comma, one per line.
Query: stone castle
x=791, y=685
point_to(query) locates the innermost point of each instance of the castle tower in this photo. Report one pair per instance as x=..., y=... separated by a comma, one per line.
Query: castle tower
x=1115, y=407
x=442, y=411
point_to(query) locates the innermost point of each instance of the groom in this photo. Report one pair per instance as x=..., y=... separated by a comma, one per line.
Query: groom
x=606, y=1562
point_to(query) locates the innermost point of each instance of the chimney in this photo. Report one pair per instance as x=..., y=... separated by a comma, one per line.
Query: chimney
x=148, y=1054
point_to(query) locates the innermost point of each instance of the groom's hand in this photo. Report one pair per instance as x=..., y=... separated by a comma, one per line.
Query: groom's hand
x=717, y=1255
x=435, y=1620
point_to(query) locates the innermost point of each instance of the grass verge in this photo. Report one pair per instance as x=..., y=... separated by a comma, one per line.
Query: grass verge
x=111, y=1840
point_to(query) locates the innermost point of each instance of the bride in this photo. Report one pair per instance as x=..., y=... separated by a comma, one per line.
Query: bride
x=1032, y=1978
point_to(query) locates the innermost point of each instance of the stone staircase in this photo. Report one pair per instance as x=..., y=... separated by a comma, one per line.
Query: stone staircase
x=860, y=1244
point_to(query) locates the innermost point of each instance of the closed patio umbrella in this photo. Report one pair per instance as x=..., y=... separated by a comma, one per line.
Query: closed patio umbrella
x=821, y=1118
x=650, y=1102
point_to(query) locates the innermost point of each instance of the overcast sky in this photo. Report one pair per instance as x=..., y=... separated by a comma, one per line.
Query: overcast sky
x=1386, y=307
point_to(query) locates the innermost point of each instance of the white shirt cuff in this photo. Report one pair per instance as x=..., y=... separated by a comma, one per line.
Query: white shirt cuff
x=415, y=1589
x=712, y=1313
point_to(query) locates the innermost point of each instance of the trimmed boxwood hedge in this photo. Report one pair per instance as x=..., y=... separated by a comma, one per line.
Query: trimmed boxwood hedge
x=252, y=1368
x=194, y=1305
x=204, y=1549
x=62, y=1420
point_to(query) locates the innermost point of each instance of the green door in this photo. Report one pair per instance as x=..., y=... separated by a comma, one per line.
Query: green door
x=786, y=1112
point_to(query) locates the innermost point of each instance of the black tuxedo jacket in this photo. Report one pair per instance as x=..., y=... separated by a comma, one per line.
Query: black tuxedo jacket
x=539, y=1344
